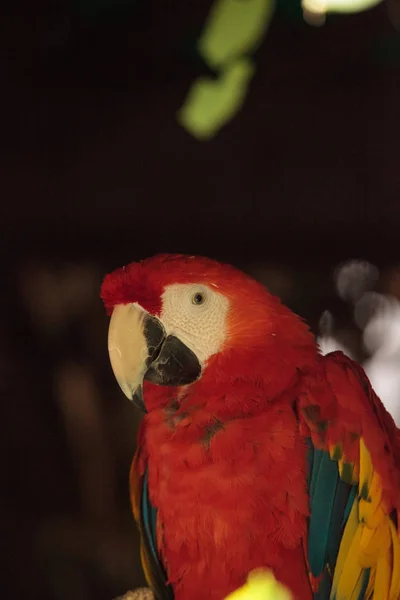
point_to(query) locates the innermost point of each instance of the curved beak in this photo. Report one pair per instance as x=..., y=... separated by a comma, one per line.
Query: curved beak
x=139, y=349
x=134, y=338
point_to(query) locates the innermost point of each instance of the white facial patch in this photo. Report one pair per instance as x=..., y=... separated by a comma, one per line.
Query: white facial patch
x=196, y=314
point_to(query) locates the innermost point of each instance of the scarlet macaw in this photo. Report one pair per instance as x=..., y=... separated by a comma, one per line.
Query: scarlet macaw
x=255, y=450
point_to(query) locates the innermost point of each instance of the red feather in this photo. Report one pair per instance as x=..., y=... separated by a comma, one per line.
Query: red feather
x=227, y=455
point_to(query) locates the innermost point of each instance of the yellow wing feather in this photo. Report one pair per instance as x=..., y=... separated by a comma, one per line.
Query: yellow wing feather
x=395, y=582
x=366, y=469
x=351, y=579
x=370, y=541
x=343, y=582
x=382, y=578
x=145, y=567
x=134, y=479
x=374, y=542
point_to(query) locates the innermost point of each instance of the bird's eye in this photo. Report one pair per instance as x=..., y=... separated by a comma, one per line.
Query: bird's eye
x=198, y=298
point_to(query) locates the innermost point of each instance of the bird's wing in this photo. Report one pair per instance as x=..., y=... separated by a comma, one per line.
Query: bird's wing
x=146, y=517
x=354, y=486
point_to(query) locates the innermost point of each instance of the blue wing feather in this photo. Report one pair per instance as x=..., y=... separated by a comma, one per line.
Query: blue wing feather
x=331, y=501
x=153, y=562
x=343, y=493
x=322, y=506
x=149, y=515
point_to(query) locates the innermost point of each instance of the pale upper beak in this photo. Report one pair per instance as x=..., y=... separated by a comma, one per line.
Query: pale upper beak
x=139, y=349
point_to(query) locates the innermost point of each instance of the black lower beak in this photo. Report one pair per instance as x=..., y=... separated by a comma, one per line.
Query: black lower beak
x=175, y=364
x=170, y=362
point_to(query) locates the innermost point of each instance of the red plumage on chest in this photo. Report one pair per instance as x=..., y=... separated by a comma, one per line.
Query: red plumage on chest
x=231, y=495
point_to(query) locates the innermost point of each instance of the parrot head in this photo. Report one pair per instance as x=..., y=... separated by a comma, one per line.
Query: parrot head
x=178, y=319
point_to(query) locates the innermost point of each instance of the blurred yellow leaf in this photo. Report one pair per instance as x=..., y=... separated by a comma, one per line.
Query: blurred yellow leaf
x=234, y=27
x=211, y=103
x=261, y=585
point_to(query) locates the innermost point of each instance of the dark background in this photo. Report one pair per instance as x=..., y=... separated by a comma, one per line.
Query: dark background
x=95, y=172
